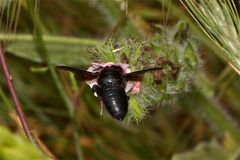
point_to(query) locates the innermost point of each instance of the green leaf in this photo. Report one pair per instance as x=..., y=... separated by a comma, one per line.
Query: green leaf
x=71, y=51
x=13, y=146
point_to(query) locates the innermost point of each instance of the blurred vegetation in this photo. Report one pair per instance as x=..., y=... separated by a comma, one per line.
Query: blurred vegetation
x=193, y=116
x=12, y=147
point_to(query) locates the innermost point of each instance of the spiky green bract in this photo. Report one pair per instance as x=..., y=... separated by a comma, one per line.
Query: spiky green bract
x=220, y=21
x=166, y=46
x=173, y=45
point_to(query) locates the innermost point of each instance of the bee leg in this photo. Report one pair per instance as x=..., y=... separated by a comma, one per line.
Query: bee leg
x=101, y=109
x=96, y=89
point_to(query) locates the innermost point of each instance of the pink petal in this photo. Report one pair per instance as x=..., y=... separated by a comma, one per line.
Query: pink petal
x=136, y=88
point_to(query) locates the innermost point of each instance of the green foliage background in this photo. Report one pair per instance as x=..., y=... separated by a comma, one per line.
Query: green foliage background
x=197, y=118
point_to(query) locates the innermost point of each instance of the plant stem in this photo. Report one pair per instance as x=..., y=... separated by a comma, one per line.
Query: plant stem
x=14, y=96
x=51, y=39
x=42, y=50
x=213, y=112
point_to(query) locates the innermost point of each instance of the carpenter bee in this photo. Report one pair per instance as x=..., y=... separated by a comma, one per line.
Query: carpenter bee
x=110, y=83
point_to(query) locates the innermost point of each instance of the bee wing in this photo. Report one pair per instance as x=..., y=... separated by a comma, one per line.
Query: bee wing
x=80, y=74
x=138, y=75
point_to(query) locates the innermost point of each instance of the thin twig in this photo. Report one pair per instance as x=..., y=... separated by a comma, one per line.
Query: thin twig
x=13, y=94
x=18, y=105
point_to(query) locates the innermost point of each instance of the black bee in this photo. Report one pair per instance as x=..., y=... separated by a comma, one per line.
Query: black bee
x=111, y=84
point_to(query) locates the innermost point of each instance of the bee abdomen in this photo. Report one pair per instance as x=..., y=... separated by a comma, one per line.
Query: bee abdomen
x=116, y=102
